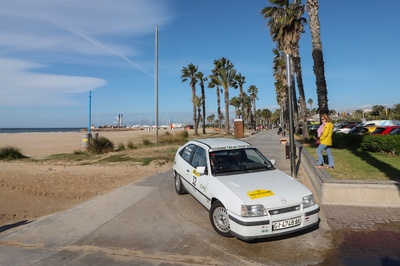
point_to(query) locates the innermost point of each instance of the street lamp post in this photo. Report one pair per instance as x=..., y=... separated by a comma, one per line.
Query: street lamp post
x=291, y=131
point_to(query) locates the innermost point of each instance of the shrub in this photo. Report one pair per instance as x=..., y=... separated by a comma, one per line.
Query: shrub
x=386, y=144
x=344, y=141
x=100, y=146
x=183, y=134
x=131, y=145
x=178, y=137
x=11, y=153
x=146, y=142
x=121, y=146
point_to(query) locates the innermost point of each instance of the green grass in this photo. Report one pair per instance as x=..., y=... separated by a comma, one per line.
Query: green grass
x=77, y=156
x=355, y=164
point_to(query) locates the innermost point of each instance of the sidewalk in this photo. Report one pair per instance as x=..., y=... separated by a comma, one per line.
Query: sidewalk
x=369, y=233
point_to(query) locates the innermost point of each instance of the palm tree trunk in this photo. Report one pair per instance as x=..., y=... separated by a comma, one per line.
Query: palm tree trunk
x=219, y=108
x=241, y=101
x=319, y=67
x=299, y=78
x=195, y=124
x=226, y=95
x=295, y=107
x=203, y=95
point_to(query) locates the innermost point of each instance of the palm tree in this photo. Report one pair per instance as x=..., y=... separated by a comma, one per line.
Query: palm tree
x=247, y=109
x=240, y=81
x=253, y=90
x=266, y=114
x=200, y=77
x=235, y=101
x=286, y=25
x=190, y=73
x=224, y=75
x=210, y=120
x=319, y=65
x=279, y=72
x=396, y=109
x=298, y=23
x=378, y=110
x=260, y=119
x=214, y=83
x=358, y=114
x=198, y=102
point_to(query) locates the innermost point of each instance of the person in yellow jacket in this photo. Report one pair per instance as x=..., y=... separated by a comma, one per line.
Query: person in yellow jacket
x=325, y=132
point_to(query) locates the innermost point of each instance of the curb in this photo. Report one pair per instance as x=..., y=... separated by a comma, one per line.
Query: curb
x=372, y=193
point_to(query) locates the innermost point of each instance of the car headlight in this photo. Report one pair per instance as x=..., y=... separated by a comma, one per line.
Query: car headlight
x=308, y=201
x=254, y=210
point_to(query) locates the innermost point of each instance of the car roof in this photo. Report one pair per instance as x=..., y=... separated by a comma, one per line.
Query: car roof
x=224, y=143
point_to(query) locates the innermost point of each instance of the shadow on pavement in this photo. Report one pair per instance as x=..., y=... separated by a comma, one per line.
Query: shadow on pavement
x=10, y=226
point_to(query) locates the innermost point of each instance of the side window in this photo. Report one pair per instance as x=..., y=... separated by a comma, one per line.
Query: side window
x=199, y=157
x=187, y=152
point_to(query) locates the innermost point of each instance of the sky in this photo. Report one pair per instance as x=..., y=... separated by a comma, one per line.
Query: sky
x=53, y=53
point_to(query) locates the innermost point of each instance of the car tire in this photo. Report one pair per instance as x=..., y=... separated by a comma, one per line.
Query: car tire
x=219, y=219
x=178, y=184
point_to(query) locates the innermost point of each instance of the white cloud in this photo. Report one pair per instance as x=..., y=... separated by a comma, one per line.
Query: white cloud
x=42, y=35
x=79, y=26
x=24, y=86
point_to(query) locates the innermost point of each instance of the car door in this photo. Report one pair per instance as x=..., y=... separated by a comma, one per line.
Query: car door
x=182, y=165
x=199, y=174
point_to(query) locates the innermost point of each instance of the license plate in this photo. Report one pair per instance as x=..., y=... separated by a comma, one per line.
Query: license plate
x=286, y=223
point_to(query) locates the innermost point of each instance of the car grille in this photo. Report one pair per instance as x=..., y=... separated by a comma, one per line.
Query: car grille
x=284, y=210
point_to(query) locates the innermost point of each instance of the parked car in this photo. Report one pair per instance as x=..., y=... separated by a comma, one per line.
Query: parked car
x=378, y=130
x=344, y=129
x=361, y=130
x=247, y=197
x=381, y=123
x=395, y=131
x=386, y=130
x=314, y=126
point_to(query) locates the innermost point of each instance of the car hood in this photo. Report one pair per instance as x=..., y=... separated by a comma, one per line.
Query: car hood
x=271, y=188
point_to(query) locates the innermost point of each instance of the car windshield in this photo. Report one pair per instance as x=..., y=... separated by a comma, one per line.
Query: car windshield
x=238, y=161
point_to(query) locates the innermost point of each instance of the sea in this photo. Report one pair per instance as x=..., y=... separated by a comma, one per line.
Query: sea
x=39, y=130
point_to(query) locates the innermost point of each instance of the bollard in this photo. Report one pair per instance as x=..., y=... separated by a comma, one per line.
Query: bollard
x=287, y=149
x=86, y=140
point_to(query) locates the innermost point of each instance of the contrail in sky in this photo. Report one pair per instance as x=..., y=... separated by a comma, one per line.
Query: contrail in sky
x=66, y=24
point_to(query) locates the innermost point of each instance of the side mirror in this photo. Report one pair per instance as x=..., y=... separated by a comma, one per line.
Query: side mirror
x=272, y=161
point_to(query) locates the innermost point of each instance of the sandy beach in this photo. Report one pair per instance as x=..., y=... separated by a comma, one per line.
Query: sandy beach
x=36, y=187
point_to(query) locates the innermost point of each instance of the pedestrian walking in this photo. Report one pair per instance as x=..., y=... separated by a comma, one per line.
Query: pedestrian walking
x=325, y=132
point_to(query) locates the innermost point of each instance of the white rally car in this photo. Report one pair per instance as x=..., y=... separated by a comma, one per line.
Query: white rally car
x=247, y=197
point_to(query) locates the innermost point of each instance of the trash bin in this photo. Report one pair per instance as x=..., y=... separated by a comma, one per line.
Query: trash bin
x=238, y=128
x=287, y=150
x=86, y=139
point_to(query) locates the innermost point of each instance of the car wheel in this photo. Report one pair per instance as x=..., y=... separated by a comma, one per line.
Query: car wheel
x=220, y=220
x=178, y=184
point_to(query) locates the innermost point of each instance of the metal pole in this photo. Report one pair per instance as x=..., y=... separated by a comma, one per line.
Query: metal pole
x=90, y=111
x=291, y=131
x=156, y=84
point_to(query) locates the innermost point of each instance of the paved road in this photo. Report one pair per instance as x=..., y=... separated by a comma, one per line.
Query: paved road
x=147, y=223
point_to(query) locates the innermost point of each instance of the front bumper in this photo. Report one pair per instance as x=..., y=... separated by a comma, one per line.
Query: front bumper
x=249, y=228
